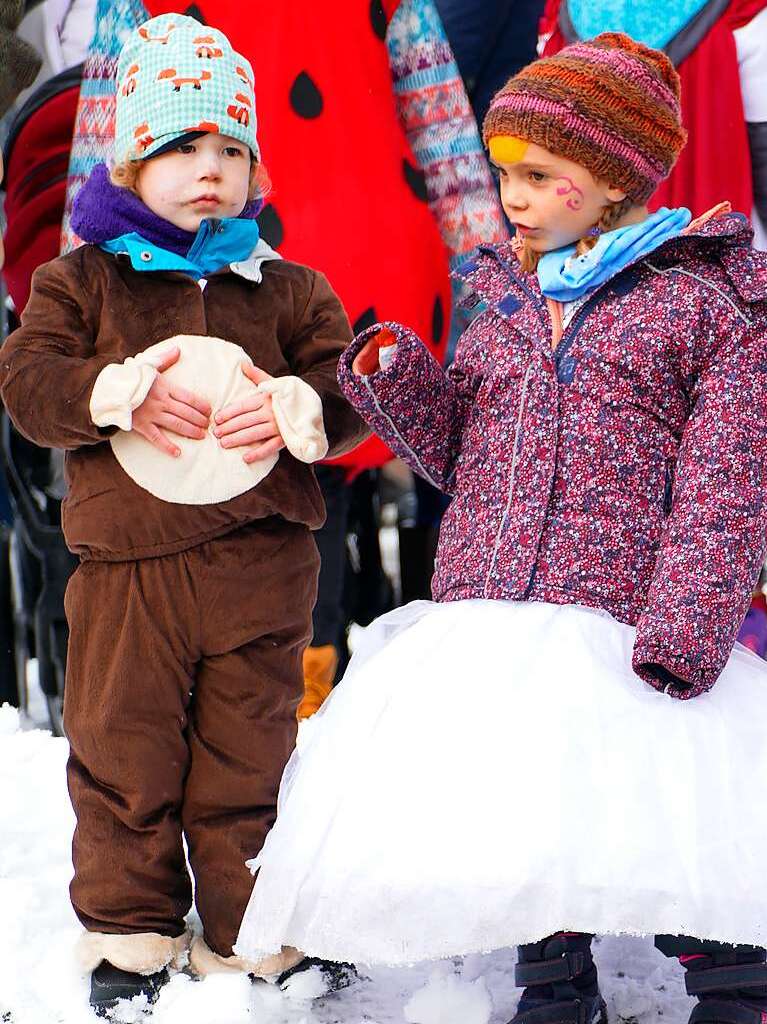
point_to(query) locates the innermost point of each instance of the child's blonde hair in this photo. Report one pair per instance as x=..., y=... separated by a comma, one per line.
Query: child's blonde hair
x=612, y=213
x=125, y=175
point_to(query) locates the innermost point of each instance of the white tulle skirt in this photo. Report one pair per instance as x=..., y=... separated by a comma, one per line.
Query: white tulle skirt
x=490, y=772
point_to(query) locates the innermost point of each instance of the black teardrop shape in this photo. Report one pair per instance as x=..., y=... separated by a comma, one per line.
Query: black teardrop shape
x=270, y=226
x=378, y=18
x=365, y=320
x=305, y=97
x=193, y=11
x=416, y=179
x=437, y=321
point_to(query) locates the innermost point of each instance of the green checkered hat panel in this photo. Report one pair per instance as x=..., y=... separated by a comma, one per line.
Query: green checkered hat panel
x=174, y=76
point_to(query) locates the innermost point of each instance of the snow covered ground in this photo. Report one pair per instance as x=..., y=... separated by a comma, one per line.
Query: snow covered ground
x=41, y=984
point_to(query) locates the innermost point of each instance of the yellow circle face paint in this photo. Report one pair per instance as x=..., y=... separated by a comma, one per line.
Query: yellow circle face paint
x=507, y=149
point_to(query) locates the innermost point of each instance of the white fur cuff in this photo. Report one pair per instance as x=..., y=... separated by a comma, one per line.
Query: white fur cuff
x=298, y=412
x=140, y=952
x=203, y=961
x=119, y=389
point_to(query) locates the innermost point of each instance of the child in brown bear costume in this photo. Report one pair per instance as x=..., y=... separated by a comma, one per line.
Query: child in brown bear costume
x=174, y=357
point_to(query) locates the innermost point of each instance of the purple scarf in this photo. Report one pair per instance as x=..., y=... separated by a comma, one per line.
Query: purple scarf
x=103, y=211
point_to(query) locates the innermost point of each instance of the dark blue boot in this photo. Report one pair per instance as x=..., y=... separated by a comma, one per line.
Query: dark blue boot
x=560, y=982
x=729, y=982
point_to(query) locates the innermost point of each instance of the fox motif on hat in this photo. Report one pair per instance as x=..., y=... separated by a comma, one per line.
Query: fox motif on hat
x=176, y=76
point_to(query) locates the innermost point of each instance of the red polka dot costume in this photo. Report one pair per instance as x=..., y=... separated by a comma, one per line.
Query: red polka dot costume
x=347, y=193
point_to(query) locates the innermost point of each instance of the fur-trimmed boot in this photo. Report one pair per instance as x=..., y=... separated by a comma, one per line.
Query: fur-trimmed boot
x=125, y=966
x=335, y=976
x=560, y=982
x=204, y=961
x=278, y=969
x=110, y=984
x=729, y=982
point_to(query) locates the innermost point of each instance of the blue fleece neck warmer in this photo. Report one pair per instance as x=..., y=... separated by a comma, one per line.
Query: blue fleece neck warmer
x=565, y=277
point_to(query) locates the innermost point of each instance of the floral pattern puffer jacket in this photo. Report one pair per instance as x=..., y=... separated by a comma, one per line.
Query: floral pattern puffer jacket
x=624, y=468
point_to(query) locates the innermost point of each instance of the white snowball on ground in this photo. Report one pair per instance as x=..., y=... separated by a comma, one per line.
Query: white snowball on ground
x=447, y=999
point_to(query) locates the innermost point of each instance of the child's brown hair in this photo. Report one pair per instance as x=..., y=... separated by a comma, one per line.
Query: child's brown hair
x=612, y=213
x=125, y=175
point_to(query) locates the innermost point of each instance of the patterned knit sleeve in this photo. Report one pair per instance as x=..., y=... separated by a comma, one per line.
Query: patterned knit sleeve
x=716, y=534
x=437, y=119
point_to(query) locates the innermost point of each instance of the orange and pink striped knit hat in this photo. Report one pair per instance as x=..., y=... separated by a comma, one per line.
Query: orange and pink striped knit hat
x=610, y=104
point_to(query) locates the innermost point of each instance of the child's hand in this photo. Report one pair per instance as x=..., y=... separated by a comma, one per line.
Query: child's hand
x=170, y=408
x=250, y=422
x=368, y=359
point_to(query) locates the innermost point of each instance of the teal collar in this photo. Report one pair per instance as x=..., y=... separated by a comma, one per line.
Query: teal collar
x=217, y=244
x=565, y=277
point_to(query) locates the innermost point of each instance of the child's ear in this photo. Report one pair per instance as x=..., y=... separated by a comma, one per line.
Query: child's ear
x=614, y=195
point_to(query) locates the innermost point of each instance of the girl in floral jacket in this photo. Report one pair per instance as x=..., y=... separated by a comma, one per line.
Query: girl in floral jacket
x=539, y=752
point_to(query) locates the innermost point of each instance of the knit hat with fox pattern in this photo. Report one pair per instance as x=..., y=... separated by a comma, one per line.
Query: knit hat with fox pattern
x=176, y=76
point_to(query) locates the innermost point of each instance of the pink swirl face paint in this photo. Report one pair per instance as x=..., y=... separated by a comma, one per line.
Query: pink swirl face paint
x=575, y=202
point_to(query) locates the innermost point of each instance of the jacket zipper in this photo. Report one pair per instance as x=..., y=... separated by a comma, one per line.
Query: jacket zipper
x=555, y=312
x=514, y=458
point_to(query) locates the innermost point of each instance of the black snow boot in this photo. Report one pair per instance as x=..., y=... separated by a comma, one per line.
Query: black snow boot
x=729, y=982
x=108, y=984
x=560, y=982
x=335, y=975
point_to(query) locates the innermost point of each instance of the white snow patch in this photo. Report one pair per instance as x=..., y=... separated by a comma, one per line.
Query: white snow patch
x=9, y=720
x=306, y=985
x=446, y=999
x=41, y=983
x=130, y=1011
x=222, y=998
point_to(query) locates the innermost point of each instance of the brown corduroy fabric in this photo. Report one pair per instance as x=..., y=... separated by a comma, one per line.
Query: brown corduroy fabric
x=89, y=309
x=183, y=679
x=631, y=105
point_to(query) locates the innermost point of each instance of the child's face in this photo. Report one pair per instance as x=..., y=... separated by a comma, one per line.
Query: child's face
x=551, y=200
x=208, y=177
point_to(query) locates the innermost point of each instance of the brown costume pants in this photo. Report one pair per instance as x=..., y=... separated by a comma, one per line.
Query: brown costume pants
x=183, y=677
